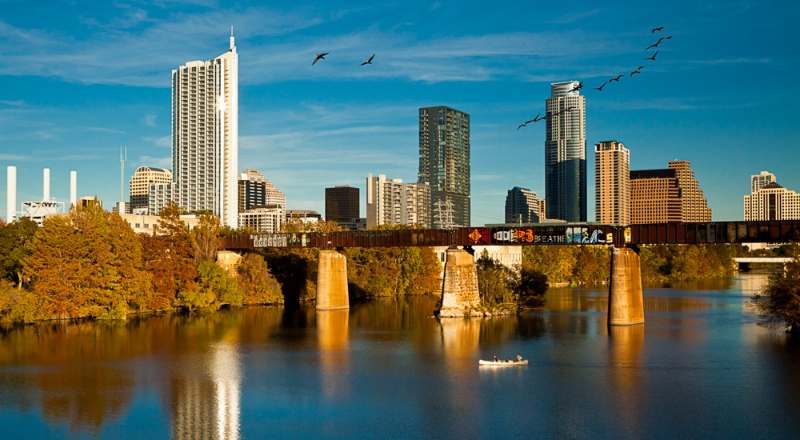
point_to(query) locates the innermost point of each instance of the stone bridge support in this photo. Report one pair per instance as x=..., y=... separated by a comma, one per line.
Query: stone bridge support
x=332, y=292
x=460, y=295
x=625, y=302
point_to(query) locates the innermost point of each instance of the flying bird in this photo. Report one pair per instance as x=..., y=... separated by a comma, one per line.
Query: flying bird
x=522, y=125
x=537, y=118
x=601, y=87
x=652, y=58
x=657, y=29
x=654, y=45
x=320, y=56
x=578, y=87
x=617, y=78
x=369, y=61
x=639, y=70
x=668, y=37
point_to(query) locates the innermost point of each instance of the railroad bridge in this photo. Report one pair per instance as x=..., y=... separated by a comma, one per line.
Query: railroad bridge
x=459, y=287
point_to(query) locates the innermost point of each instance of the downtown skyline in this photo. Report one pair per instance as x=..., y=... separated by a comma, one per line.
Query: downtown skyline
x=78, y=86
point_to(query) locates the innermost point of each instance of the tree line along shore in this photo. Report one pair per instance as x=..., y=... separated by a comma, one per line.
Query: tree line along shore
x=90, y=264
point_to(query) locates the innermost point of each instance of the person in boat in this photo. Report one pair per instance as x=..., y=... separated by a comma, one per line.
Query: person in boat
x=519, y=358
x=508, y=360
x=495, y=358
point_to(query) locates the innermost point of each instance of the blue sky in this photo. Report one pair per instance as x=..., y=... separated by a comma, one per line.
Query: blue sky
x=80, y=79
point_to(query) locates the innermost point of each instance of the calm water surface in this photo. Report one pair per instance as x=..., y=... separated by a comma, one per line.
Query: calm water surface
x=699, y=368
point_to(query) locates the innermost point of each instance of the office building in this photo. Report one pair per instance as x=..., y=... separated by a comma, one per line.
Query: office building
x=770, y=201
x=205, y=138
x=141, y=180
x=265, y=218
x=390, y=201
x=342, y=204
x=255, y=190
x=522, y=206
x=565, y=153
x=303, y=215
x=444, y=164
x=612, y=183
x=667, y=195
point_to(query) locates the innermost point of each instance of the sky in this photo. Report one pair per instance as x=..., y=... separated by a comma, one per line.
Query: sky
x=80, y=79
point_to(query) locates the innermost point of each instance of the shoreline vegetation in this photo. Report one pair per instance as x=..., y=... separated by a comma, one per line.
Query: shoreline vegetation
x=90, y=264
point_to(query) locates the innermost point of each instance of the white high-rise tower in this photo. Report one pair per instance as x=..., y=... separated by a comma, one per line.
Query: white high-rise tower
x=205, y=135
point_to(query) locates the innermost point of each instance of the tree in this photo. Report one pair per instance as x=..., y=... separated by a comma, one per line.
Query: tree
x=13, y=240
x=214, y=287
x=530, y=287
x=206, y=238
x=494, y=281
x=779, y=304
x=169, y=257
x=257, y=285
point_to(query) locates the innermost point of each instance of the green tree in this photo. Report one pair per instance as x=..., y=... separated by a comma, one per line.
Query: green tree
x=257, y=285
x=530, y=287
x=13, y=240
x=495, y=281
x=779, y=304
x=214, y=287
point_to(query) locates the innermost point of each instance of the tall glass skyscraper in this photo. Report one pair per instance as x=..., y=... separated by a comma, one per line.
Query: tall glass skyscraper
x=565, y=153
x=444, y=164
x=205, y=136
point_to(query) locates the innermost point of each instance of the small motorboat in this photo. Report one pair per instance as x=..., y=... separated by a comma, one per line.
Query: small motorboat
x=484, y=363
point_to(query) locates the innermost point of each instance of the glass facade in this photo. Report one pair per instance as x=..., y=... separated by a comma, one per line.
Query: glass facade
x=565, y=153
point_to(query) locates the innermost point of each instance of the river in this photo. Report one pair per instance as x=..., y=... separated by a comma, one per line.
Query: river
x=700, y=367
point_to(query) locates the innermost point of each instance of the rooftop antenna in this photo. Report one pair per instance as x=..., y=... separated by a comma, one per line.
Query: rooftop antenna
x=123, y=155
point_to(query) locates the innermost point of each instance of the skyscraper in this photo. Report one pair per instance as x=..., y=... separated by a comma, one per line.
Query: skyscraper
x=565, y=153
x=522, y=206
x=256, y=190
x=612, y=162
x=667, y=195
x=342, y=204
x=444, y=164
x=205, y=136
x=770, y=201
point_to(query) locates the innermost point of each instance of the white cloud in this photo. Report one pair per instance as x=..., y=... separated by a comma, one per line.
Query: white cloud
x=150, y=120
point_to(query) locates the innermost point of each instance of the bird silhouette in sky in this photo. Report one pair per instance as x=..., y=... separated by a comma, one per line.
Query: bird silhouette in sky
x=601, y=87
x=522, y=125
x=652, y=58
x=320, y=56
x=657, y=29
x=369, y=61
x=577, y=87
x=654, y=44
x=639, y=70
x=537, y=118
x=617, y=78
x=668, y=37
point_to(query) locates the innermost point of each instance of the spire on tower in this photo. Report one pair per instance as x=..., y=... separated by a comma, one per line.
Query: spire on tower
x=232, y=44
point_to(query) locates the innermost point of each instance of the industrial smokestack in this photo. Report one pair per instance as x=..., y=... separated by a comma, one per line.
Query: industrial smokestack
x=46, y=195
x=11, y=197
x=73, y=188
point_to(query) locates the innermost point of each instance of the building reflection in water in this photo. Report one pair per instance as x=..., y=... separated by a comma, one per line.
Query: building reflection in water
x=333, y=341
x=625, y=361
x=206, y=394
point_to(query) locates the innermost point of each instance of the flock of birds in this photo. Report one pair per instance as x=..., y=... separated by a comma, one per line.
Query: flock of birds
x=579, y=86
x=321, y=56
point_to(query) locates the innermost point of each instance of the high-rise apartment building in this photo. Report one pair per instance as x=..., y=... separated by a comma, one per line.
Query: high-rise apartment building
x=141, y=180
x=612, y=183
x=565, y=153
x=390, y=201
x=205, y=137
x=255, y=190
x=770, y=201
x=522, y=206
x=444, y=164
x=342, y=204
x=758, y=181
x=667, y=195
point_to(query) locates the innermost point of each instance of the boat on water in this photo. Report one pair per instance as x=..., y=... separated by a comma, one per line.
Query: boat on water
x=484, y=363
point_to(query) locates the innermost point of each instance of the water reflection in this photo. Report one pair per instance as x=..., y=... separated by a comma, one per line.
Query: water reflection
x=625, y=376
x=333, y=340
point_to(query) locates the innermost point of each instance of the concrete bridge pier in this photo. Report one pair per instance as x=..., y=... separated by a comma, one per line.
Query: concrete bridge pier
x=332, y=292
x=625, y=302
x=460, y=297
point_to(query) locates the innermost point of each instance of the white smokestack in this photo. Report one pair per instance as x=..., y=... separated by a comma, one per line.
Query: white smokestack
x=73, y=188
x=46, y=195
x=11, y=197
